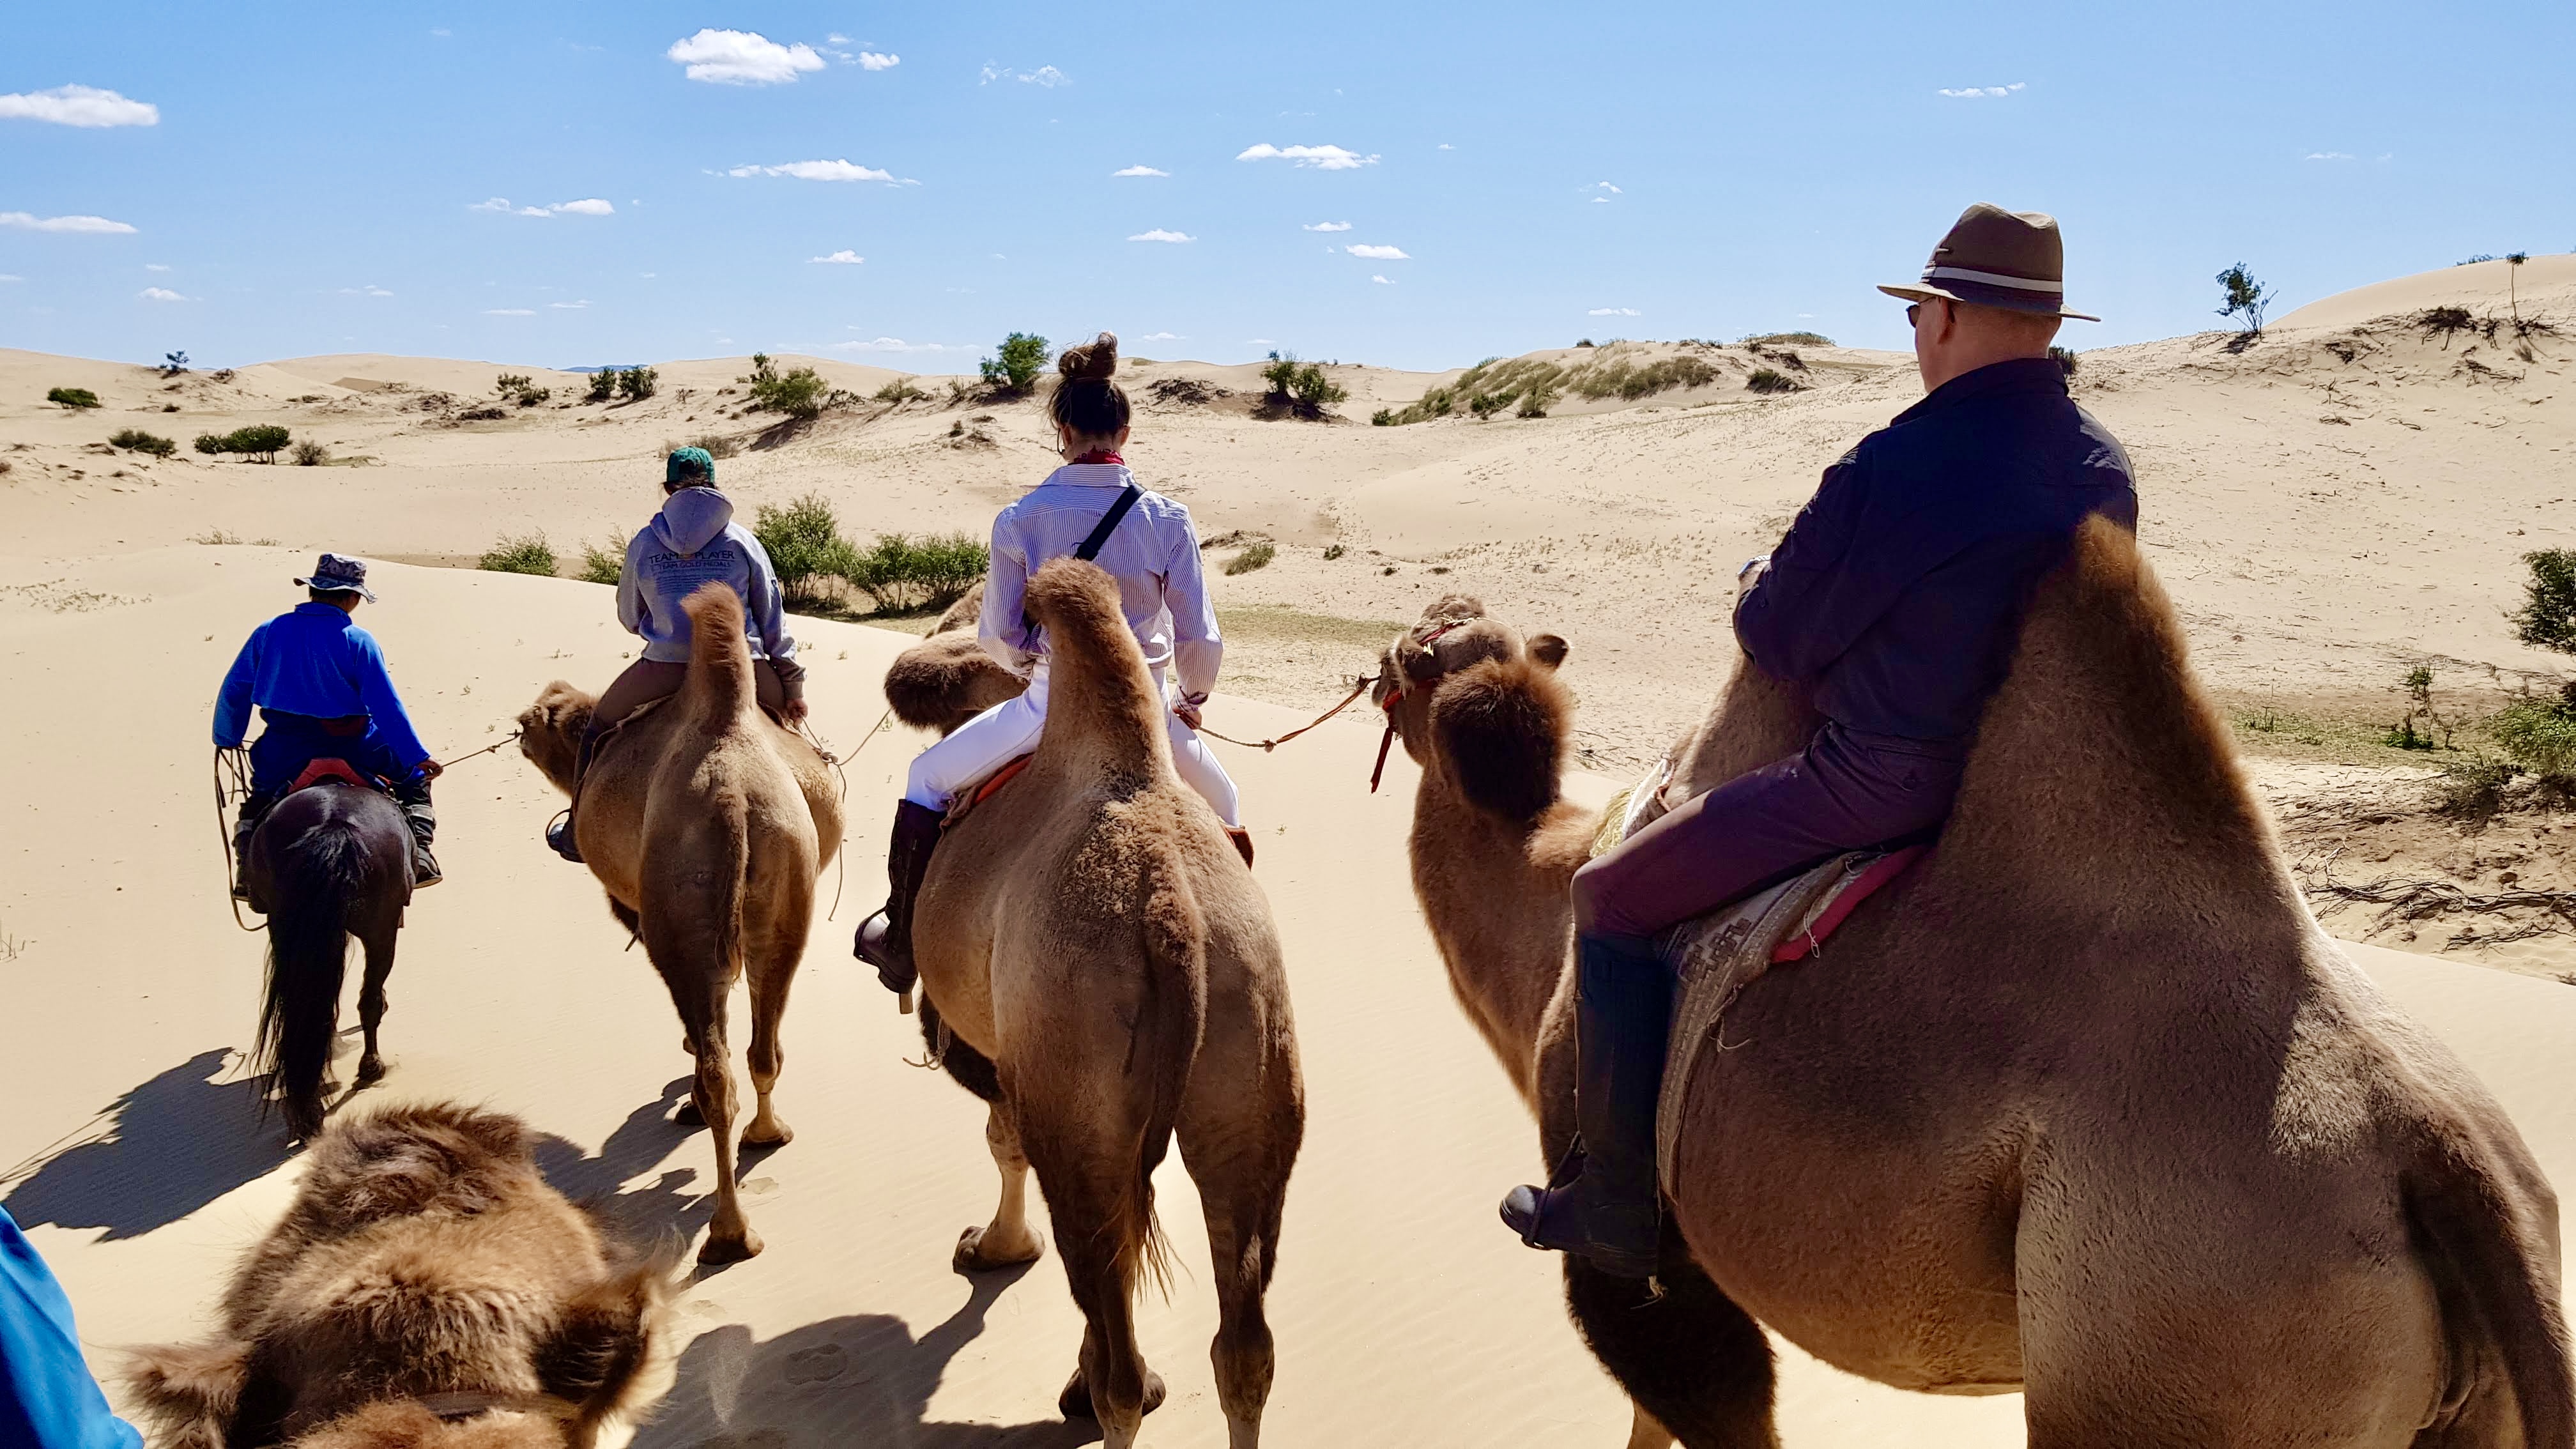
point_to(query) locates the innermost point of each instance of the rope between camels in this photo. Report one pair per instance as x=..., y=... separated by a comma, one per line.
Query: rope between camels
x=1358, y=687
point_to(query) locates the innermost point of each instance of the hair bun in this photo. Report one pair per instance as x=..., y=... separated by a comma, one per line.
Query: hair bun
x=1096, y=360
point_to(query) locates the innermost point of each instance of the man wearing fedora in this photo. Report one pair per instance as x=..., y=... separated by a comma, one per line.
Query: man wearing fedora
x=319, y=683
x=1897, y=596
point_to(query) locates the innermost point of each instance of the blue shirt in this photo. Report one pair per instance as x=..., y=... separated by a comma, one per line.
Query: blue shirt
x=1898, y=592
x=1153, y=554
x=47, y=1398
x=314, y=661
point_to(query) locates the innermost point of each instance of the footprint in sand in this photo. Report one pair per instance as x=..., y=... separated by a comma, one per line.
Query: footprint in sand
x=817, y=1365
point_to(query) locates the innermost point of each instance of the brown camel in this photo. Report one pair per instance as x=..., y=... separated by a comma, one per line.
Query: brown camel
x=1111, y=978
x=425, y=1290
x=707, y=822
x=948, y=678
x=2085, y=1105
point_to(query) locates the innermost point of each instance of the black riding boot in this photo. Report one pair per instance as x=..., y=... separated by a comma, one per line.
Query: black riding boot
x=423, y=820
x=1611, y=1211
x=559, y=831
x=885, y=939
x=254, y=809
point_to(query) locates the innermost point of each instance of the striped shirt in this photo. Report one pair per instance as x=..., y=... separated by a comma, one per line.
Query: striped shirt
x=1153, y=554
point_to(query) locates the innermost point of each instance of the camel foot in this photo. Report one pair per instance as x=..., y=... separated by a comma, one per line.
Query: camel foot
x=978, y=1252
x=371, y=1070
x=1075, y=1401
x=731, y=1250
x=689, y=1116
x=777, y=1134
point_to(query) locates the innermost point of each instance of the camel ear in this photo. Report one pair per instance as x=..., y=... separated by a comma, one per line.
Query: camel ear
x=1548, y=650
x=1499, y=725
x=189, y=1391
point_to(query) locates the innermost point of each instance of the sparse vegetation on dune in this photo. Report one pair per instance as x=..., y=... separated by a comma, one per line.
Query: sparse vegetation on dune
x=526, y=553
x=2244, y=298
x=899, y=392
x=804, y=543
x=603, y=562
x=138, y=441
x=263, y=441
x=717, y=445
x=1298, y=389
x=310, y=454
x=2547, y=618
x=1770, y=379
x=517, y=387
x=901, y=574
x=1535, y=384
x=1788, y=339
x=1016, y=364
x=78, y=399
x=1253, y=557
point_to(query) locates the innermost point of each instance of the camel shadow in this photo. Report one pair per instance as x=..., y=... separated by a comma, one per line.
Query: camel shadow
x=163, y=1150
x=858, y=1379
x=673, y=1204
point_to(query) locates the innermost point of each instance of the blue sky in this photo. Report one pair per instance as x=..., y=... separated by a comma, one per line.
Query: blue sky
x=323, y=178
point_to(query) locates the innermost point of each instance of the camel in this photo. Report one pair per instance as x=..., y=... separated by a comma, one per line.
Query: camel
x=2084, y=1105
x=948, y=678
x=706, y=822
x=1098, y=966
x=425, y=1290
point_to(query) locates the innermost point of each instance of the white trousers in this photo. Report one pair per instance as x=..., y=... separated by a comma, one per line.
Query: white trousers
x=1010, y=729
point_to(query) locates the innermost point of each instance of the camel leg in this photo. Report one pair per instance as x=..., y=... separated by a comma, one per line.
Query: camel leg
x=773, y=970
x=1008, y=1239
x=379, y=946
x=1696, y=1365
x=1239, y=1137
x=1082, y=1177
x=701, y=1003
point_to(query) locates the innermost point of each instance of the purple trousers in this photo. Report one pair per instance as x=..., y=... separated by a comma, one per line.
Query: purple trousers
x=1845, y=791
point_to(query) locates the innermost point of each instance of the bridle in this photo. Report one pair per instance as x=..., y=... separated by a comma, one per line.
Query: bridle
x=1387, y=740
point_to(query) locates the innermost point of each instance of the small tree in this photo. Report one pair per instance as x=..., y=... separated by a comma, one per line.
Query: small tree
x=798, y=394
x=1314, y=389
x=2547, y=617
x=804, y=543
x=2512, y=289
x=2245, y=298
x=78, y=399
x=261, y=440
x=603, y=386
x=636, y=383
x=173, y=363
x=1023, y=355
x=1281, y=374
x=762, y=370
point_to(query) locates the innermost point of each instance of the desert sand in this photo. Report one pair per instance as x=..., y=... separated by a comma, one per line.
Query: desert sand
x=2315, y=559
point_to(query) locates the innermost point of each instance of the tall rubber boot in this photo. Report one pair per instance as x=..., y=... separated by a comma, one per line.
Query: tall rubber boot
x=1611, y=1212
x=885, y=939
x=423, y=820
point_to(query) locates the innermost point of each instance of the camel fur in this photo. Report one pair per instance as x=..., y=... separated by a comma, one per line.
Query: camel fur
x=426, y=1290
x=2086, y=1105
x=1090, y=933
x=949, y=678
x=707, y=823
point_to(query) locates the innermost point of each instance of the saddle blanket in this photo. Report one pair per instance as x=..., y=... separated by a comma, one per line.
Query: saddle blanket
x=1715, y=956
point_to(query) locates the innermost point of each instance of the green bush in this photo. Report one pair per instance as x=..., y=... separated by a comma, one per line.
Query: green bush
x=1256, y=556
x=804, y=543
x=1766, y=379
x=799, y=394
x=1382, y=418
x=900, y=574
x=75, y=398
x=1314, y=389
x=2540, y=736
x=1023, y=355
x=900, y=390
x=310, y=454
x=520, y=554
x=2244, y=297
x=510, y=382
x=1333, y=551
x=2547, y=617
x=1281, y=374
x=636, y=383
x=603, y=386
x=138, y=441
x=263, y=440
x=1536, y=401
x=1788, y=339
x=603, y=562
x=519, y=388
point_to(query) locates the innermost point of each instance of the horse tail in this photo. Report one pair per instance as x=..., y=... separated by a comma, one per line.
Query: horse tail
x=718, y=687
x=1168, y=1032
x=319, y=874
x=2490, y=1245
x=1100, y=694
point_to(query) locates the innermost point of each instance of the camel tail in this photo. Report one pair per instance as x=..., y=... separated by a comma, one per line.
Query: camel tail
x=2493, y=1254
x=321, y=874
x=1100, y=692
x=1167, y=1039
x=719, y=684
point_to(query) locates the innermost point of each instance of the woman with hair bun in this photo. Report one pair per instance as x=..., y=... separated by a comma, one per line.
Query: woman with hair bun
x=1092, y=508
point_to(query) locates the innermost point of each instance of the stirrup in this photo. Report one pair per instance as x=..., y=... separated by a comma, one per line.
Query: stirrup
x=559, y=836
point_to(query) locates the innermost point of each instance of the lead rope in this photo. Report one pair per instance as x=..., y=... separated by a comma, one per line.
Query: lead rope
x=1359, y=687
x=841, y=856
x=239, y=788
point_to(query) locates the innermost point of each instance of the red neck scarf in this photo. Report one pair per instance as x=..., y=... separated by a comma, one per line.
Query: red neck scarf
x=1101, y=455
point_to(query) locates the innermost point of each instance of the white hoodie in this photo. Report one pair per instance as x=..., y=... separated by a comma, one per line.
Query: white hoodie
x=693, y=542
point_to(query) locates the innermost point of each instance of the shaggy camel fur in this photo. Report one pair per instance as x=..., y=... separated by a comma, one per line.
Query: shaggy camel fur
x=707, y=822
x=2085, y=1105
x=1112, y=979
x=948, y=678
x=425, y=1290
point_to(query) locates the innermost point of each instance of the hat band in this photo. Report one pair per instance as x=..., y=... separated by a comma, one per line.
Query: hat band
x=1993, y=289
x=1992, y=279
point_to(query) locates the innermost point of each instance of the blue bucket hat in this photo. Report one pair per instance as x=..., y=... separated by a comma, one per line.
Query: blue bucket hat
x=338, y=575
x=687, y=461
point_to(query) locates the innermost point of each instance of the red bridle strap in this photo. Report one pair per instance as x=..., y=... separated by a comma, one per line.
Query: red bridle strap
x=1387, y=740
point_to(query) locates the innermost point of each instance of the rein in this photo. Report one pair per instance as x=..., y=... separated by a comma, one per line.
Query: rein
x=230, y=786
x=1387, y=741
x=1359, y=687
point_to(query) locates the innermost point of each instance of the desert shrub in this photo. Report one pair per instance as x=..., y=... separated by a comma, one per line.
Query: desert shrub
x=310, y=454
x=485, y=414
x=75, y=398
x=900, y=390
x=210, y=443
x=2243, y=297
x=1382, y=418
x=173, y=363
x=603, y=562
x=2472, y=789
x=262, y=440
x=1768, y=379
x=1485, y=404
x=2547, y=617
x=636, y=383
x=519, y=388
x=1583, y=342
x=1019, y=360
x=899, y=574
x=1789, y=339
x=1253, y=557
x=138, y=441
x=520, y=554
x=798, y=394
x=510, y=382
x=603, y=386
x=804, y=543
x=2540, y=735
x=222, y=374
x=1333, y=551
x=2064, y=358
x=2417, y=686
x=1314, y=389
x=716, y=444
x=1536, y=402
x=1611, y=374
x=1281, y=374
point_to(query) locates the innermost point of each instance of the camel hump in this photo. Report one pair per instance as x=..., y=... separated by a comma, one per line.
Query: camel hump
x=1099, y=692
x=719, y=679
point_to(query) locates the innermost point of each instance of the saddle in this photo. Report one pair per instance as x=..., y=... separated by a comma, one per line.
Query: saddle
x=1717, y=955
x=990, y=786
x=330, y=770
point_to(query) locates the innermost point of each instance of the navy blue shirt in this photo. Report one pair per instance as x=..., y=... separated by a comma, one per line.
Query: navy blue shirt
x=1898, y=592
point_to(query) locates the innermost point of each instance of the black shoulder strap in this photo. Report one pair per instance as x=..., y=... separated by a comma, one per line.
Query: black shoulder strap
x=1108, y=524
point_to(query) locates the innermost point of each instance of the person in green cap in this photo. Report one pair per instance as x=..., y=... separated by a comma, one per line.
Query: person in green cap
x=691, y=543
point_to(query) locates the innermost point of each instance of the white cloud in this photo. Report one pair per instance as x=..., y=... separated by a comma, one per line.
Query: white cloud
x=1162, y=337
x=1259, y=342
x=842, y=258
x=1605, y=201
x=96, y=225
x=1045, y=75
x=1381, y=281
x=8, y=277
x=741, y=58
x=2327, y=156
x=897, y=344
x=1445, y=146
x=79, y=106
x=570, y=306
x=509, y=312
x=1614, y=312
x=1321, y=158
x=1604, y=186
x=1158, y=234
x=1378, y=253
x=369, y=290
x=160, y=294
x=156, y=266
x=837, y=38
x=877, y=60
x=1328, y=226
x=587, y=206
x=1970, y=93
x=1139, y=171
x=823, y=171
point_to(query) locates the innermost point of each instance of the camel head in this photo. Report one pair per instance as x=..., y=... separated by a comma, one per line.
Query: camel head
x=1474, y=699
x=550, y=731
x=946, y=680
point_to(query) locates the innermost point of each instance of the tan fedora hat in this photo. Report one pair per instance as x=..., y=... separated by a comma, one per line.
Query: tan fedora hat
x=1997, y=258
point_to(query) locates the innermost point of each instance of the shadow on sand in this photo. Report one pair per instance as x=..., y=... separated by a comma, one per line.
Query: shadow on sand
x=159, y=1153
x=674, y=1204
x=859, y=1379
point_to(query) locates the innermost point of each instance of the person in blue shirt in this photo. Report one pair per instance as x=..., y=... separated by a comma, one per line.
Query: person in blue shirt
x=47, y=1398
x=319, y=683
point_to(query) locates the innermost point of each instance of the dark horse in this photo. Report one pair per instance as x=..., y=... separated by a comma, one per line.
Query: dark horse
x=330, y=862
